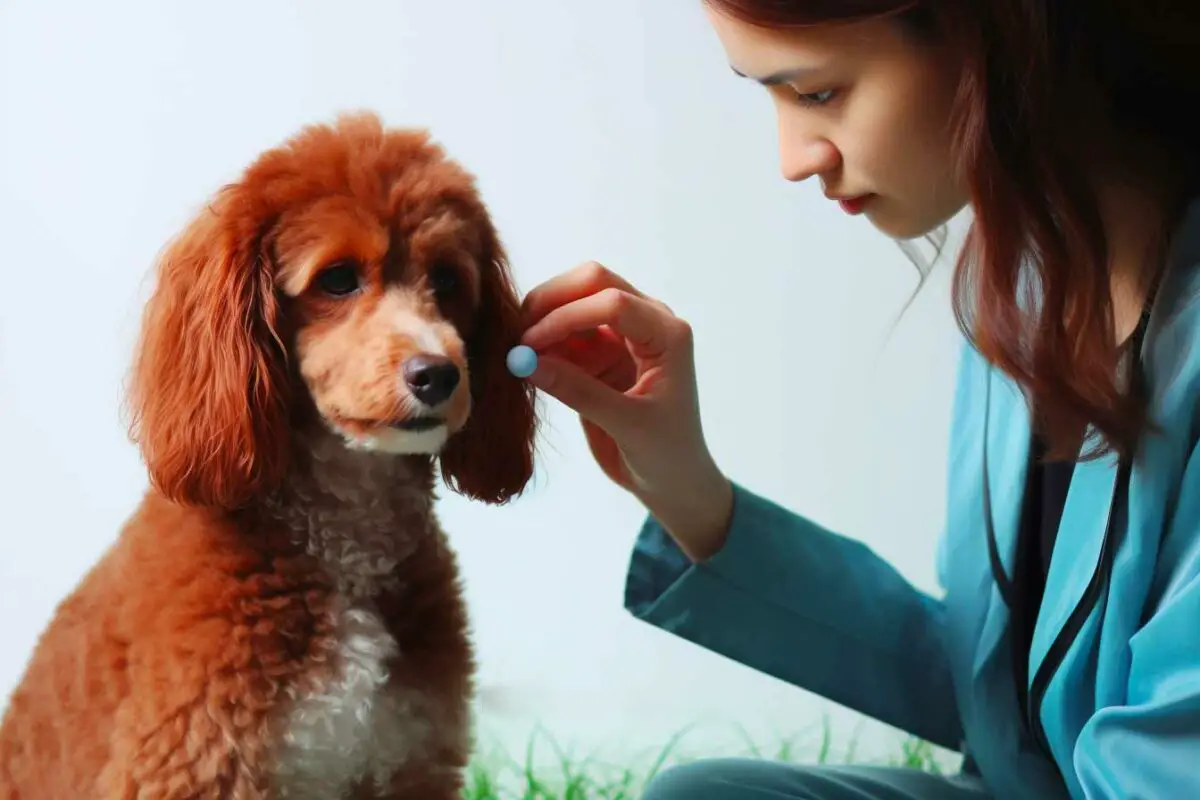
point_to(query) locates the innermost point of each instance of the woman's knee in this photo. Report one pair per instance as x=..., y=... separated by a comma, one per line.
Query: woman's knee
x=709, y=779
x=757, y=779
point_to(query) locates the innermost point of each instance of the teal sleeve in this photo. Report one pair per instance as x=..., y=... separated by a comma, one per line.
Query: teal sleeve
x=819, y=610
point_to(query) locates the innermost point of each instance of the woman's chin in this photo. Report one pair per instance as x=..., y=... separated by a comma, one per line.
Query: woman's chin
x=904, y=224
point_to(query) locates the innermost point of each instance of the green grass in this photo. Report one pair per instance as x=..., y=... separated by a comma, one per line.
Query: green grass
x=564, y=776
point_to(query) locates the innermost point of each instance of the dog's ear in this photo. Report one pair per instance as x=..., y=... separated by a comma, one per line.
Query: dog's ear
x=208, y=393
x=491, y=458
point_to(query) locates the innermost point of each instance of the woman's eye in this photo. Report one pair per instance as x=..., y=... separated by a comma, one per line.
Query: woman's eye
x=339, y=280
x=816, y=98
x=443, y=279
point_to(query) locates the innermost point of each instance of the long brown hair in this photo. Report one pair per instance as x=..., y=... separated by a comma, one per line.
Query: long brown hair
x=1040, y=79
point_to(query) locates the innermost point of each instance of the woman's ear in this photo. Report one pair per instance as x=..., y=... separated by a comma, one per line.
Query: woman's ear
x=208, y=393
x=491, y=458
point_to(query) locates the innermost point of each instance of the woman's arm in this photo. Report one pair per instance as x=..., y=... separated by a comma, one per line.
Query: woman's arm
x=776, y=591
x=808, y=606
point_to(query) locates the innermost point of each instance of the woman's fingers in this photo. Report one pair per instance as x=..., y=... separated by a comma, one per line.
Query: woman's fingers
x=597, y=334
x=585, y=394
x=572, y=285
x=602, y=354
x=646, y=325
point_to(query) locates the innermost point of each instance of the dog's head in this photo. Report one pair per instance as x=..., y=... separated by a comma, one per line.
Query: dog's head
x=352, y=279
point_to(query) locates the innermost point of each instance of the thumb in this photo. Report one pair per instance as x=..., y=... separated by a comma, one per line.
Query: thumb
x=573, y=387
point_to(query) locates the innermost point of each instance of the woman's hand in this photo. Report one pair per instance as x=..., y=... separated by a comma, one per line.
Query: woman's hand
x=624, y=362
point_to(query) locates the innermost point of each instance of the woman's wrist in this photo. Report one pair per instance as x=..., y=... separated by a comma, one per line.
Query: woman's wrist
x=697, y=517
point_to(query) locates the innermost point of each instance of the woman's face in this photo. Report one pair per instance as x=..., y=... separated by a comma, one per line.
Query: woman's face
x=865, y=107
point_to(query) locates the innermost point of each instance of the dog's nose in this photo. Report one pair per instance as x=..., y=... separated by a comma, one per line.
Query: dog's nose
x=431, y=379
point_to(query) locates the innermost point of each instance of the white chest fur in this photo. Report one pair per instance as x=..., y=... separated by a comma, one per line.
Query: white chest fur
x=351, y=727
x=361, y=516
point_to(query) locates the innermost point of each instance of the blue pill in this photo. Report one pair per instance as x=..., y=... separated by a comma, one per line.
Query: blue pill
x=522, y=361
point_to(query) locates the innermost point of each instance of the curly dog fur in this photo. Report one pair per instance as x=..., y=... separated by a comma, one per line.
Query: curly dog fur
x=282, y=614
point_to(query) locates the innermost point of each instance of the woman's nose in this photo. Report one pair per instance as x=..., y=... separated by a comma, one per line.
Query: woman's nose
x=803, y=154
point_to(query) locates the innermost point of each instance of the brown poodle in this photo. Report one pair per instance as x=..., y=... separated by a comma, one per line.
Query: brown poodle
x=282, y=616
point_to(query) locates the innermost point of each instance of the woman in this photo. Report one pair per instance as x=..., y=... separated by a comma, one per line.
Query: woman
x=1064, y=658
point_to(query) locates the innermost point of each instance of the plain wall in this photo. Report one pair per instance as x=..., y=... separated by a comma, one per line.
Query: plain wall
x=612, y=131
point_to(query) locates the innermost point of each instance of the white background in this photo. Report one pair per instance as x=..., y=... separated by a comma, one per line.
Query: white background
x=611, y=131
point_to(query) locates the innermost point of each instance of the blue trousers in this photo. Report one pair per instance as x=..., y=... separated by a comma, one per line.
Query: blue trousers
x=751, y=779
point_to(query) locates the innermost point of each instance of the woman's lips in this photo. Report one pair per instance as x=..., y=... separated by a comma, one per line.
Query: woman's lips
x=854, y=205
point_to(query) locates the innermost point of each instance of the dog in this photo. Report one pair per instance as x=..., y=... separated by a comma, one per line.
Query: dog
x=282, y=615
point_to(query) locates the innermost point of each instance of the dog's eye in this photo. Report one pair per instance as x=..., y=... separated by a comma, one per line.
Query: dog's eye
x=338, y=280
x=443, y=278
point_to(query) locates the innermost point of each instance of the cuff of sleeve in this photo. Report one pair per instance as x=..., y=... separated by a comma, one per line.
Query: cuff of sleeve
x=658, y=567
